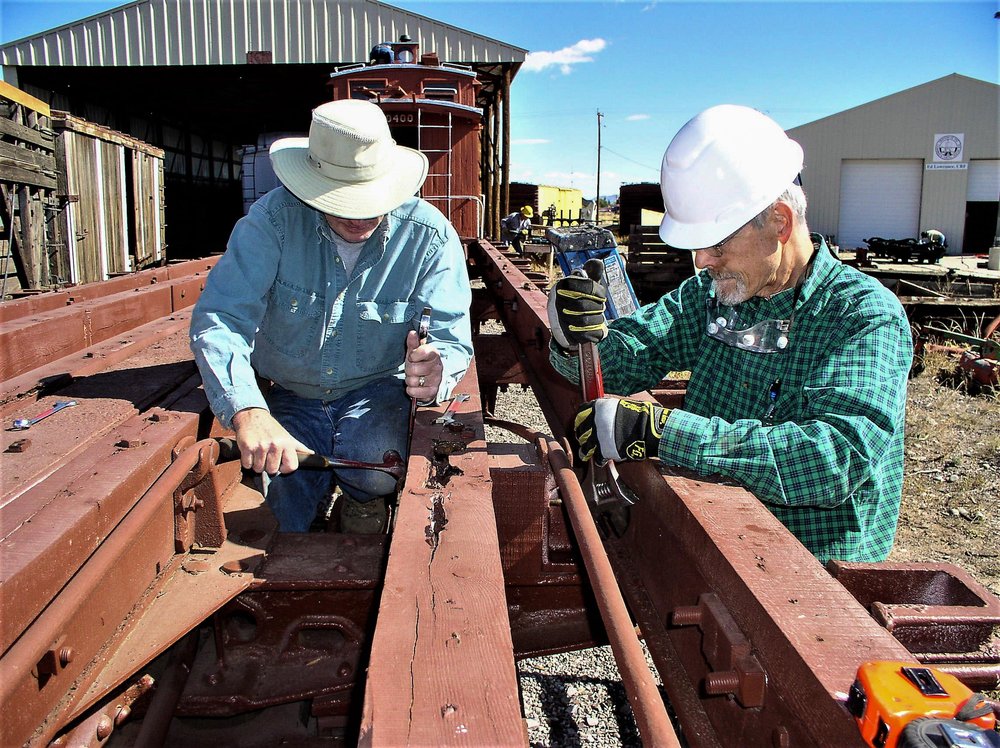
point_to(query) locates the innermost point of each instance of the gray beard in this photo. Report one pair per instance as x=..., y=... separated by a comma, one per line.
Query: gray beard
x=737, y=295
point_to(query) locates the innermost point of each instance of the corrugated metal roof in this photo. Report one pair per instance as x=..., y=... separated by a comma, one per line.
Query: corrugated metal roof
x=223, y=32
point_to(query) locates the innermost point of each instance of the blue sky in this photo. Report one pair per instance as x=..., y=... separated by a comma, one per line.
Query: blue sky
x=650, y=65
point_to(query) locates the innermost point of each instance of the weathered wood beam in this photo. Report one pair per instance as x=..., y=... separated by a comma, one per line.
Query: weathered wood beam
x=442, y=663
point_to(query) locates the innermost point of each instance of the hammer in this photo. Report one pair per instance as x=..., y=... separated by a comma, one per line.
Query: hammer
x=391, y=463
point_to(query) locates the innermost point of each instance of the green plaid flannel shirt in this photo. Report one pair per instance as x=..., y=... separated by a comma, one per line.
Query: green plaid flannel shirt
x=830, y=467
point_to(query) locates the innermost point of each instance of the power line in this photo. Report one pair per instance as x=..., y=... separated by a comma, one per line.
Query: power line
x=631, y=160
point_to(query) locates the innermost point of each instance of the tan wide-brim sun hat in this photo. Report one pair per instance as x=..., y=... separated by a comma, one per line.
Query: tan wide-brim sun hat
x=349, y=166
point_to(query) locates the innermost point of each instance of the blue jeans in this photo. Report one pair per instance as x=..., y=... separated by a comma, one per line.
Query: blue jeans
x=360, y=426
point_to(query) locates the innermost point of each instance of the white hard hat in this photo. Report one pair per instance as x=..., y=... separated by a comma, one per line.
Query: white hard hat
x=721, y=169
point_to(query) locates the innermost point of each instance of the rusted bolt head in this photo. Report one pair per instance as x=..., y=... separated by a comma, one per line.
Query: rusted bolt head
x=233, y=567
x=21, y=445
x=104, y=727
x=160, y=417
x=780, y=737
x=128, y=443
x=66, y=655
x=123, y=712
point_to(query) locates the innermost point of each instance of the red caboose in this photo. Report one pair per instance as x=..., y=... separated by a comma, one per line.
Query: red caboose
x=431, y=107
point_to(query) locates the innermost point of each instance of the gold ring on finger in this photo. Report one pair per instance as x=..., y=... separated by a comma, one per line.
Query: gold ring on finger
x=420, y=382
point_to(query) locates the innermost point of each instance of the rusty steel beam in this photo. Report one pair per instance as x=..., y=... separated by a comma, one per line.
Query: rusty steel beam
x=44, y=302
x=31, y=342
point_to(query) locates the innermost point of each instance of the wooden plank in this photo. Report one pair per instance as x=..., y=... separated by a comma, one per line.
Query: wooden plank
x=65, y=121
x=42, y=138
x=19, y=175
x=442, y=665
x=29, y=343
x=32, y=242
x=27, y=159
x=24, y=99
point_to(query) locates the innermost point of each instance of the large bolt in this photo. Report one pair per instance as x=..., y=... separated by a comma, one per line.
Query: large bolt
x=66, y=655
x=722, y=682
x=686, y=615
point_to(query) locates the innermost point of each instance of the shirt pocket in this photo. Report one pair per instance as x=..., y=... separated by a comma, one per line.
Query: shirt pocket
x=293, y=319
x=382, y=328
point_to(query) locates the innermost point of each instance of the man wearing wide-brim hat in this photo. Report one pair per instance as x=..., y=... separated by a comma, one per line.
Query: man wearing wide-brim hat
x=320, y=292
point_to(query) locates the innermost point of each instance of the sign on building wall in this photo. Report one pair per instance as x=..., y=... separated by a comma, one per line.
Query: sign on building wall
x=949, y=149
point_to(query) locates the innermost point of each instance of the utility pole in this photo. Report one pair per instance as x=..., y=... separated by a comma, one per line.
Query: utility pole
x=597, y=197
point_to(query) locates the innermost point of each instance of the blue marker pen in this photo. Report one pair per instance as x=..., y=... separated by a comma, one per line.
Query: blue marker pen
x=772, y=397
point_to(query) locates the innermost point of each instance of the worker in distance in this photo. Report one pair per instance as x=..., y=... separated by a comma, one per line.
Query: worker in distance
x=320, y=292
x=798, y=362
x=516, y=228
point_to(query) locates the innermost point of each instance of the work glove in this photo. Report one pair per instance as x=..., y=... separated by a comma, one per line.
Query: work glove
x=576, y=310
x=617, y=429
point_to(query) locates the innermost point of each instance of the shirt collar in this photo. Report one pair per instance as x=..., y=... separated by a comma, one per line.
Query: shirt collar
x=824, y=265
x=381, y=233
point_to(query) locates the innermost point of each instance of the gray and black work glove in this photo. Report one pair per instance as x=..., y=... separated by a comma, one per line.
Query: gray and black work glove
x=618, y=429
x=576, y=311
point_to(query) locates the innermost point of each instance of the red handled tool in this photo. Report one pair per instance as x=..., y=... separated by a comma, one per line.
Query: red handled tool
x=608, y=499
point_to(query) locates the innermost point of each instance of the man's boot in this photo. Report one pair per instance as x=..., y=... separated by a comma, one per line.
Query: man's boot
x=362, y=518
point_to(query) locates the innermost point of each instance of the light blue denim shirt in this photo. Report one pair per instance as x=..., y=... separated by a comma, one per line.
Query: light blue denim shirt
x=279, y=302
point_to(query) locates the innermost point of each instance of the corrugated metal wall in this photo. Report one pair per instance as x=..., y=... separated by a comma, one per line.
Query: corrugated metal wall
x=903, y=126
x=223, y=32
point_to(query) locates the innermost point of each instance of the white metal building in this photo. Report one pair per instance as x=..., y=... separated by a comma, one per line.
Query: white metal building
x=924, y=158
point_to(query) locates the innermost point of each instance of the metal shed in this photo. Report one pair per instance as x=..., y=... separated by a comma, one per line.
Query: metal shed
x=924, y=158
x=200, y=79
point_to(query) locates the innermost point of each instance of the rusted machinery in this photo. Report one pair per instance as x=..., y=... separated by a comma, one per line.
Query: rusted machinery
x=147, y=599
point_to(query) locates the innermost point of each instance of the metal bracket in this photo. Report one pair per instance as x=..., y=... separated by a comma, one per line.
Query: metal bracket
x=734, y=670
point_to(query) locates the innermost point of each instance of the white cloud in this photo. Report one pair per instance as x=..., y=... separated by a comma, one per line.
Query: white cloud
x=564, y=58
x=530, y=141
x=636, y=117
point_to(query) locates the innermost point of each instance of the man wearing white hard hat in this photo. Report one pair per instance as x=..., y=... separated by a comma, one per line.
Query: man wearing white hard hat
x=798, y=362
x=320, y=292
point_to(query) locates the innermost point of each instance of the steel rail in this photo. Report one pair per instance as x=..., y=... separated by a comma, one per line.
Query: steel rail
x=25, y=653
x=644, y=696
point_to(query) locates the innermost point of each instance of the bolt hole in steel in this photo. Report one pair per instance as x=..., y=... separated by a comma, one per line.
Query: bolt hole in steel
x=324, y=639
x=241, y=627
